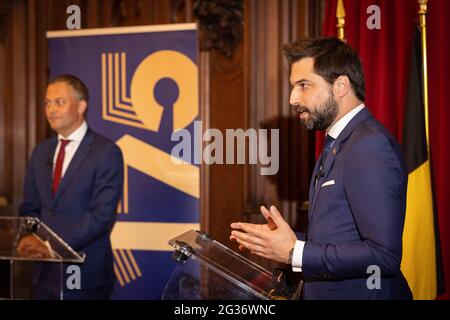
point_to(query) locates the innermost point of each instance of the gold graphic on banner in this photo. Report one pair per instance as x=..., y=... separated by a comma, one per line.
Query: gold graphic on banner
x=125, y=266
x=140, y=110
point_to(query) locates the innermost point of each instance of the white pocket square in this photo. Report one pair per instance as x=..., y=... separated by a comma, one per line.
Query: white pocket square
x=328, y=183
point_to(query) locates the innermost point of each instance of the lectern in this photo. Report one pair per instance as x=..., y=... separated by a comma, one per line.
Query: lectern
x=25, y=276
x=208, y=270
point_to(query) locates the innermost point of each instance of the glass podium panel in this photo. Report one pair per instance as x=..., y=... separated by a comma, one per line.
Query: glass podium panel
x=206, y=269
x=28, y=276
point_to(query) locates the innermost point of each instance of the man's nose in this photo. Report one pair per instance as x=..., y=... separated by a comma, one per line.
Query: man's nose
x=51, y=108
x=294, y=98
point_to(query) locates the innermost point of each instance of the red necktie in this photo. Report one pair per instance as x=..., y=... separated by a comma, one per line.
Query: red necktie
x=59, y=165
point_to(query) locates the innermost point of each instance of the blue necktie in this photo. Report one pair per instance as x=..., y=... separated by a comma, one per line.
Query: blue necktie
x=326, y=149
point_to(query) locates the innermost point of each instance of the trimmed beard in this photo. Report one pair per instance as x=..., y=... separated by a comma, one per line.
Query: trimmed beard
x=322, y=117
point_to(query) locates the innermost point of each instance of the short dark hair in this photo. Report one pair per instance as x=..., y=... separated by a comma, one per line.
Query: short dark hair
x=332, y=58
x=80, y=88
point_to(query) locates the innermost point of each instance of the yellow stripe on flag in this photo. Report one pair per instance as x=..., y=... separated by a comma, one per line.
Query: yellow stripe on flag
x=419, y=252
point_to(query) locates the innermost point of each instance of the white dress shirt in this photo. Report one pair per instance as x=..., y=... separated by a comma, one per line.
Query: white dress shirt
x=72, y=147
x=334, y=131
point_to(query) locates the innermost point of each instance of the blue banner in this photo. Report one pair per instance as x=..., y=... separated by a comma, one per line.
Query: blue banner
x=143, y=85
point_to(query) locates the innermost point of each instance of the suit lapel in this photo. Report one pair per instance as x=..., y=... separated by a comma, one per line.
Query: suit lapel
x=361, y=116
x=326, y=168
x=329, y=161
x=77, y=159
x=48, y=171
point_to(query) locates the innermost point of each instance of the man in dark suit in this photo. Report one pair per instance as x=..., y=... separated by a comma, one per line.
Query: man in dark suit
x=357, y=197
x=73, y=184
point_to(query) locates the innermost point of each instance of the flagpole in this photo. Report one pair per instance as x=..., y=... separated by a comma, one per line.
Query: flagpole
x=423, y=9
x=340, y=16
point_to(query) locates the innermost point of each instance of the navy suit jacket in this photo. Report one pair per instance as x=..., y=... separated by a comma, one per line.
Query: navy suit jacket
x=357, y=221
x=83, y=210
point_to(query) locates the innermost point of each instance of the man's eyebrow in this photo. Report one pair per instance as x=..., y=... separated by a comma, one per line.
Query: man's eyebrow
x=57, y=98
x=301, y=81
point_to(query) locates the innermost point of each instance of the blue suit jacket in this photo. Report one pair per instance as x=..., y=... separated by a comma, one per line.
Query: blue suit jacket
x=357, y=221
x=83, y=210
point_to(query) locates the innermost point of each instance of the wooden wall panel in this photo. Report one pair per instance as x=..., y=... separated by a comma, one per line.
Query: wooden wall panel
x=274, y=23
x=19, y=94
x=227, y=111
x=21, y=118
x=5, y=113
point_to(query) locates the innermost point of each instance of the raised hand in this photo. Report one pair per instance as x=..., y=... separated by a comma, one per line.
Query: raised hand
x=272, y=240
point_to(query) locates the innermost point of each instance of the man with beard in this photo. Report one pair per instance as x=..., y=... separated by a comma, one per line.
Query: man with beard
x=357, y=197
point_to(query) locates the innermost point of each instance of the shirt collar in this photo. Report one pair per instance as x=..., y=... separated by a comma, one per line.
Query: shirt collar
x=337, y=128
x=77, y=135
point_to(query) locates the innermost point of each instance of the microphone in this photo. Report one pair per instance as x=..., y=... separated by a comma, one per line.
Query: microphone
x=319, y=175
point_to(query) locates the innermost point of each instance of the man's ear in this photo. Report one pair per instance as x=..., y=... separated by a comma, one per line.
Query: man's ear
x=341, y=86
x=82, y=106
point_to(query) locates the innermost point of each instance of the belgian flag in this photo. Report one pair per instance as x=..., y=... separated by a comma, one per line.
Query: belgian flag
x=420, y=259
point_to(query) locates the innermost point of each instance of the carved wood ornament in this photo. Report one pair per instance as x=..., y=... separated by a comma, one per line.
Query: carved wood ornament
x=221, y=24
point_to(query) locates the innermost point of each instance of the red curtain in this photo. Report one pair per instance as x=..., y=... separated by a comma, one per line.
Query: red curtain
x=439, y=97
x=385, y=55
